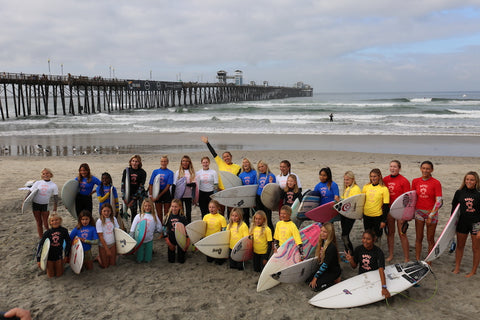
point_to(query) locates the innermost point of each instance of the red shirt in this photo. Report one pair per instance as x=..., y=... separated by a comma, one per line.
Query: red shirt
x=427, y=192
x=397, y=186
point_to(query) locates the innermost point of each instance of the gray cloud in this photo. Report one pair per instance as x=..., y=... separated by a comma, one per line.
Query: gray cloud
x=333, y=45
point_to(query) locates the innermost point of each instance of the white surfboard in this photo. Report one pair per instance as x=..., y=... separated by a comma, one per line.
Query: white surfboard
x=446, y=237
x=215, y=245
x=44, y=254
x=351, y=207
x=237, y=197
x=76, y=255
x=287, y=255
x=243, y=250
x=366, y=288
x=298, y=272
x=181, y=235
x=123, y=241
x=403, y=208
x=196, y=230
x=69, y=193
x=156, y=186
x=229, y=180
x=271, y=196
x=29, y=199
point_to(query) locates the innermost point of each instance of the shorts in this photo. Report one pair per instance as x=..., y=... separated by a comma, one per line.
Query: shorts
x=422, y=215
x=87, y=256
x=464, y=225
x=39, y=207
x=166, y=198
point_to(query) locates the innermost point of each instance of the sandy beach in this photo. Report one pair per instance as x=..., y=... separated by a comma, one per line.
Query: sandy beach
x=196, y=289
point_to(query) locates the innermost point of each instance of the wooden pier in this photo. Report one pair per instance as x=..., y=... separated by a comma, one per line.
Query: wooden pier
x=37, y=95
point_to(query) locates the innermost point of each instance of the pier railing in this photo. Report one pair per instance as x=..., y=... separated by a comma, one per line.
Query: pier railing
x=36, y=95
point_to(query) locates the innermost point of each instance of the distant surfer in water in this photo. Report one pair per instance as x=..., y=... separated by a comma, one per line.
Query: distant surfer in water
x=331, y=117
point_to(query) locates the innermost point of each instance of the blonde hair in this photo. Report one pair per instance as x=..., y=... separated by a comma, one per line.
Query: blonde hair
x=142, y=210
x=54, y=215
x=181, y=170
x=325, y=243
x=249, y=165
x=264, y=225
x=267, y=171
x=351, y=175
x=294, y=177
x=216, y=203
x=102, y=218
x=165, y=157
x=48, y=170
x=180, y=204
x=240, y=215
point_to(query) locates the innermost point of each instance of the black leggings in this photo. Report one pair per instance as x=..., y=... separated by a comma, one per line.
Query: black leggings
x=204, y=199
x=187, y=202
x=83, y=202
x=347, y=225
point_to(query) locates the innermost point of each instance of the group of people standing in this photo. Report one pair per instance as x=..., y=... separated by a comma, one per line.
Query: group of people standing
x=380, y=193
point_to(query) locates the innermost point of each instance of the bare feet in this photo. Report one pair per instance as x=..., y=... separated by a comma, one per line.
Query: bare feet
x=389, y=258
x=456, y=271
x=470, y=274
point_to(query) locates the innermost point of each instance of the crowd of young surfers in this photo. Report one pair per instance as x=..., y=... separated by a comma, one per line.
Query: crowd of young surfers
x=164, y=209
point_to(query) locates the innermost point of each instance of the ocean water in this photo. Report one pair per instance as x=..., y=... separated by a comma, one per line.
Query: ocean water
x=398, y=114
x=428, y=113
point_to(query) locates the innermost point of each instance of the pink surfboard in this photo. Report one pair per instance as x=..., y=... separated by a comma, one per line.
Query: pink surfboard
x=288, y=255
x=403, y=208
x=324, y=213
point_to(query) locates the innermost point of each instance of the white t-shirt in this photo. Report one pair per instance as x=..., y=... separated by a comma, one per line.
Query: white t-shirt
x=152, y=225
x=45, y=191
x=282, y=180
x=107, y=230
x=207, y=179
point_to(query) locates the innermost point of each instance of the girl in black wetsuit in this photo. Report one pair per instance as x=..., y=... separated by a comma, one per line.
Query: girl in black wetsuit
x=369, y=257
x=468, y=196
x=327, y=255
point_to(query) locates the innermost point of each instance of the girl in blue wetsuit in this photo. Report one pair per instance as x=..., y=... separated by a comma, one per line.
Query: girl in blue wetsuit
x=248, y=177
x=86, y=188
x=265, y=176
x=327, y=188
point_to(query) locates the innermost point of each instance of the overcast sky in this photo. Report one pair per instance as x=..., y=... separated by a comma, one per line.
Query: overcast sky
x=334, y=45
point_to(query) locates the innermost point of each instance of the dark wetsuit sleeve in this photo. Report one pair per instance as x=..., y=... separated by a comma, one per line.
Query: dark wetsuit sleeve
x=385, y=210
x=455, y=201
x=212, y=151
x=380, y=258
